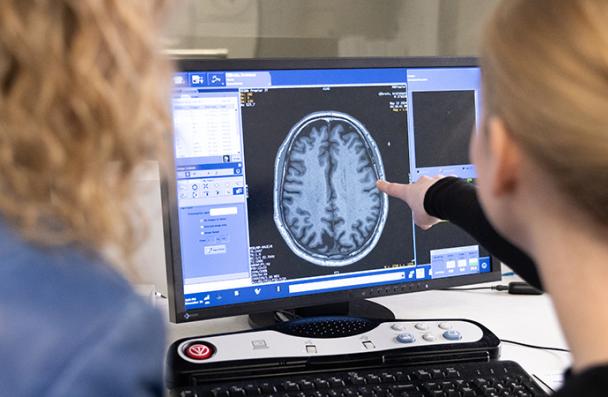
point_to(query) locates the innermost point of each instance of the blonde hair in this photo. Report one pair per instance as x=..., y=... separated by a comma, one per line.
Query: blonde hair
x=545, y=73
x=83, y=100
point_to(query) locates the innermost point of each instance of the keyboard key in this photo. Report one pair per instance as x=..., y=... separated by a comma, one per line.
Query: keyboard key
x=437, y=374
x=290, y=386
x=373, y=379
x=400, y=388
x=236, y=392
x=219, y=392
x=387, y=378
x=267, y=388
x=357, y=380
x=252, y=390
x=468, y=392
x=306, y=385
x=402, y=377
x=431, y=386
x=321, y=384
x=452, y=373
x=423, y=375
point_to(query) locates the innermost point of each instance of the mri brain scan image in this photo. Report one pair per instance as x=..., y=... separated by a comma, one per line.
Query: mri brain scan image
x=326, y=204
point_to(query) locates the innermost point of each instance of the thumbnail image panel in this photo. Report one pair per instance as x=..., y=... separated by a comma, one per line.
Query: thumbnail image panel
x=443, y=122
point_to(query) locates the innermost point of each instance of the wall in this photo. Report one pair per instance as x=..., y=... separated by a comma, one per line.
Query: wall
x=308, y=28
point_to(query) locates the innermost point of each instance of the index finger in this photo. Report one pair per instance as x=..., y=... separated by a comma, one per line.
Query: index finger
x=392, y=189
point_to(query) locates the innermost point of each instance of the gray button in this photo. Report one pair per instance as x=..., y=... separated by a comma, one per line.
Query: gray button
x=422, y=326
x=452, y=334
x=311, y=349
x=398, y=327
x=428, y=337
x=445, y=325
x=405, y=337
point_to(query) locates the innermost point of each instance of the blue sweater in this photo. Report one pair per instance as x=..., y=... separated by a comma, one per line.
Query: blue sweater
x=70, y=325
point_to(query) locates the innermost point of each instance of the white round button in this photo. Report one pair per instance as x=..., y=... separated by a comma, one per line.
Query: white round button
x=445, y=325
x=428, y=337
x=398, y=327
x=422, y=326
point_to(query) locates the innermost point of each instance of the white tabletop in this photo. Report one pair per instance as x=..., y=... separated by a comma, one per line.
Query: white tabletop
x=523, y=318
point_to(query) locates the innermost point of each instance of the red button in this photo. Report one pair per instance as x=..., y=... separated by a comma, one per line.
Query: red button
x=199, y=351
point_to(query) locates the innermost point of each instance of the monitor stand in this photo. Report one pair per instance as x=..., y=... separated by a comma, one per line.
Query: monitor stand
x=358, y=308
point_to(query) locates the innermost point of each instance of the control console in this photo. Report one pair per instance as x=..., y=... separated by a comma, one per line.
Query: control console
x=327, y=342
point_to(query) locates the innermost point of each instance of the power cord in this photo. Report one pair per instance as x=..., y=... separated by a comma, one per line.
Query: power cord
x=499, y=287
x=557, y=349
x=514, y=287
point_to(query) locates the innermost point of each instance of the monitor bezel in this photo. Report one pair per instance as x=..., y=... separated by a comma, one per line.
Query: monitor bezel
x=175, y=287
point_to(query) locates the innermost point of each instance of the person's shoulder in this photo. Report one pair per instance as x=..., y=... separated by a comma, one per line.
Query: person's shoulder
x=68, y=317
x=124, y=359
x=592, y=382
x=57, y=280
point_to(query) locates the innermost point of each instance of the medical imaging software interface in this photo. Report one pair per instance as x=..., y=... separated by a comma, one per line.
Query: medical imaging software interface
x=276, y=173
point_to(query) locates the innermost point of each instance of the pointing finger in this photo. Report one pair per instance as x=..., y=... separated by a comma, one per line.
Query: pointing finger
x=392, y=189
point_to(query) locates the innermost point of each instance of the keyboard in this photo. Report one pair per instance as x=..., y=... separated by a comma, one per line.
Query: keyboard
x=491, y=379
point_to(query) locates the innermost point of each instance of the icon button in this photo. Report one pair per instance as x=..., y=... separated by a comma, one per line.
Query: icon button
x=216, y=79
x=199, y=351
x=197, y=79
x=259, y=344
x=369, y=345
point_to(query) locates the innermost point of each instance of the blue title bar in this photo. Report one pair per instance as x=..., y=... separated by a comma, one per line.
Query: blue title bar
x=338, y=76
x=276, y=78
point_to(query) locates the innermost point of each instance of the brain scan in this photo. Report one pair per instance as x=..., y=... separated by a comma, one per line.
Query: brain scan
x=326, y=204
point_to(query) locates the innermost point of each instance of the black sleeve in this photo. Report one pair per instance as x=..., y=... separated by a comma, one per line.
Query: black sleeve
x=592, y=382
x=456, y=201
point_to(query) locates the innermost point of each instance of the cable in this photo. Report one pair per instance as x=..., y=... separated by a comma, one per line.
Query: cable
x=499, y=287
x=543, y=382
x=557, y=349
x=514, y=288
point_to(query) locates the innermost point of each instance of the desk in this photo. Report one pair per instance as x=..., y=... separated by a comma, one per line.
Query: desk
x=523, y=318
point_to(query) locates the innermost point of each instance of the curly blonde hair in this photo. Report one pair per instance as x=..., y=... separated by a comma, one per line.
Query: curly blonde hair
x=83, y=100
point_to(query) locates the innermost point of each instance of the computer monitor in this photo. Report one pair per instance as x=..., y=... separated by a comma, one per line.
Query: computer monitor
x=273, y=203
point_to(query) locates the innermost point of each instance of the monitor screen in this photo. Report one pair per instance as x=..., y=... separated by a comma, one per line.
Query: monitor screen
x=273, y=201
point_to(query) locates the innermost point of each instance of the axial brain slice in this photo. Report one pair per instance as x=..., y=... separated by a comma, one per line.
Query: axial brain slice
x=327, y=206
